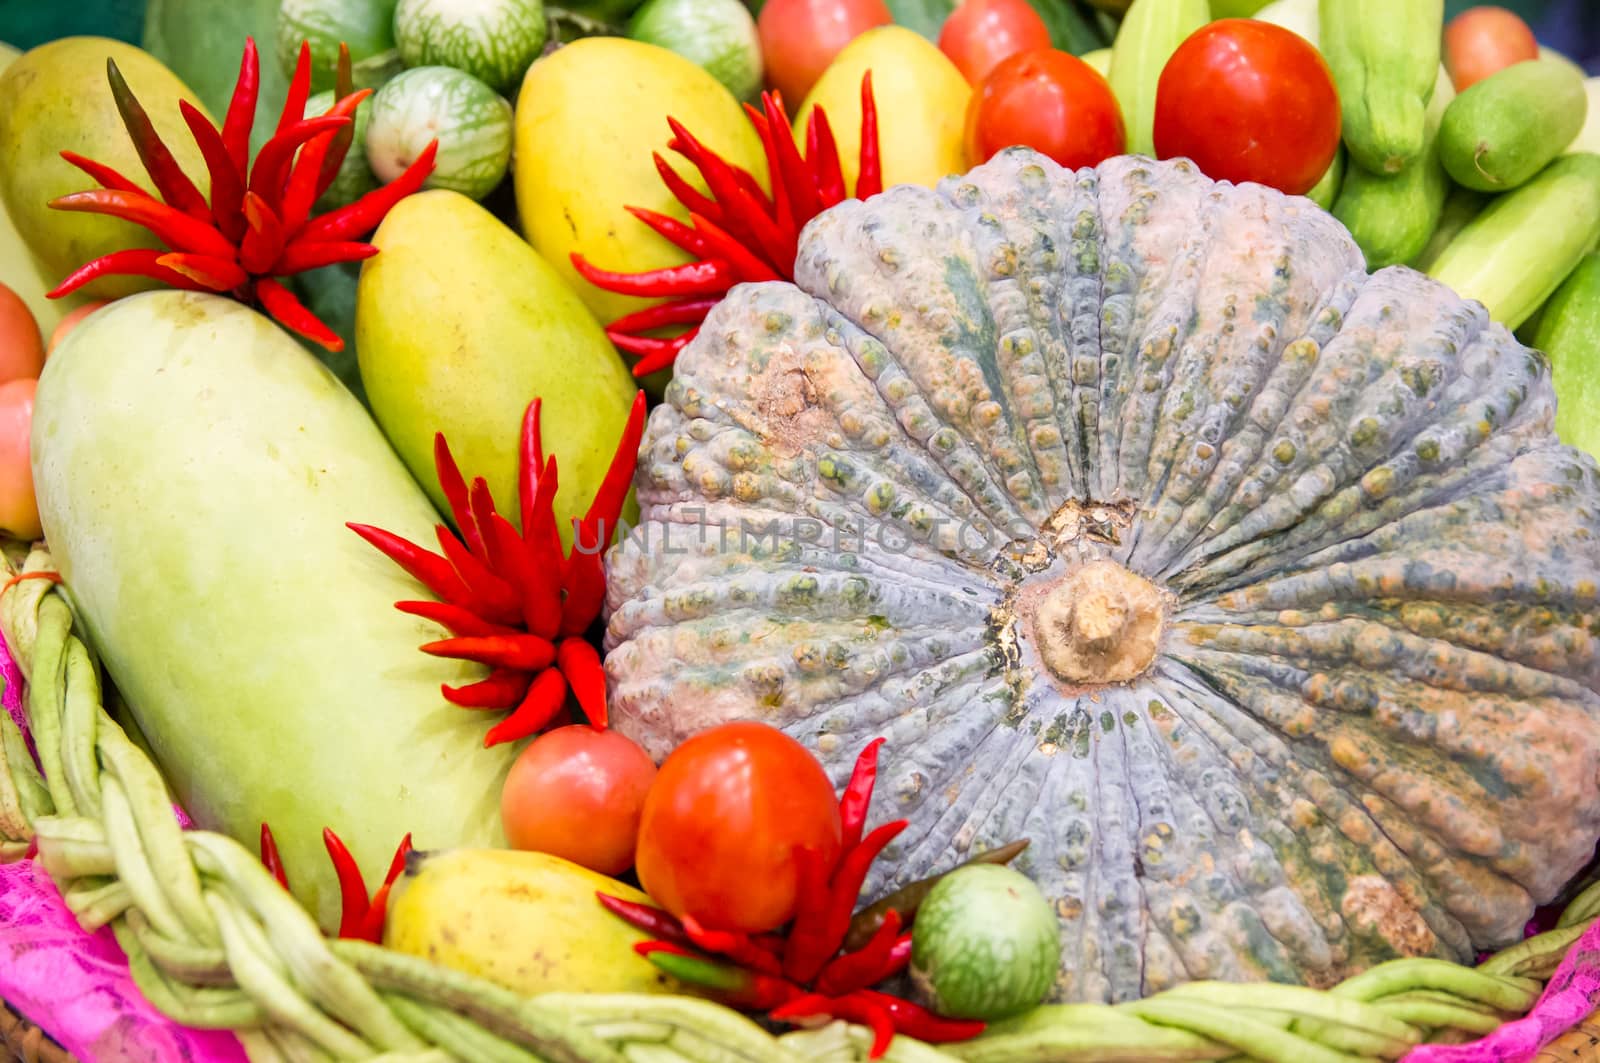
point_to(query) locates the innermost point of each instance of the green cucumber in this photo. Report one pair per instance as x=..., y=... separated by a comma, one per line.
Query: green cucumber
x=493, y=40
x=986, y=944
x=1588, y=138
x=1518, y=251
x=469, y=120
x=1326, y=191
x=1151, y=31
x=1298, y=16
x=195, y=468
x=1391, y=216
x=1460, y=207
x=1384, y=55
x=1507, y=127
x=1570, y=334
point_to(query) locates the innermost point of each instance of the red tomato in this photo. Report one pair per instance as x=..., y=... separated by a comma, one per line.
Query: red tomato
x=21, y=346
x=19, y=511
x=799, y=38
x=980, y=33
x=1050, y=101
x=728, y=813
x=1249, y=101
x=1485, y=40
x=577, y=793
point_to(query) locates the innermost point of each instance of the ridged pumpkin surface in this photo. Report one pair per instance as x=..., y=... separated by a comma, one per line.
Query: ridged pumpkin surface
x=1144, y=524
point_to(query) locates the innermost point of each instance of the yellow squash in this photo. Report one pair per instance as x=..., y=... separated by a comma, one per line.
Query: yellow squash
x=56, y=98
x=587, y=119
x=527, y=921
x=921, y=99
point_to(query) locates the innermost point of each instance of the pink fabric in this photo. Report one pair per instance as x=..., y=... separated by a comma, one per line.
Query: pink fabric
x=77, y=987
x=1572, y=995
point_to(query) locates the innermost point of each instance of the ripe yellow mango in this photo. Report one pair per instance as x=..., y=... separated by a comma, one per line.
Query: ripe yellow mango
x=57, y=99
x=921, y=99
x=459, y=325
x=588, y=117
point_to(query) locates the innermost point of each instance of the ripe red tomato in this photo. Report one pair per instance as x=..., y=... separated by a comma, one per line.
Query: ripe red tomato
x=799, y=38
x=19, y=510
x=980, y=33
x=728, y=813
x=1485, y=40
x=577, y=793
x=1249, y=101
x=1050, y=101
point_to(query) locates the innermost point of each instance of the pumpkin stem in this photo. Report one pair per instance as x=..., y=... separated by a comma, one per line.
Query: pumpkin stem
x=1097, y=624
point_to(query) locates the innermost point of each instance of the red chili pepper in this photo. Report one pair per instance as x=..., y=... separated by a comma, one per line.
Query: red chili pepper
x=916, y=1021
x=503, y=689
x=457, y=620
x=102, y=173
x=431, y=570
x=672, y=230
x=614, y=486
x=371, y=928
x=305, y=176
x=867, y=966
x=270, y=858
x=736, y=947
x=362, y=216
x=806, y=950
x=480, y=519
x=782, y=209
x=656, y=354
x=519, y=652
x=531, y=464
x=792, y=171
x=826, y=931
x=174, y=185
x=242, y=110
x=855, y=1008
x=493, y=598
x=353, y=902
x=454, y=486
x=227, y=188
x=544, y=699
x=683, y=191
x=653, y=921
x=339, y=146
x=263, y=235
x=299, y=90
x=580, y=664
x=691, y=278
x=824, y=158
x=869, y=179
x=508, y=555
x=299, y=256
x=748, y=267
x=217, y=274
x=744, y=214
x=858, y=795
x=177, y=230
x=136, y=262
x=289, y=312
x=676, y=312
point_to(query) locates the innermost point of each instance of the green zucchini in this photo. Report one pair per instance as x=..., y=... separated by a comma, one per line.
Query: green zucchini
x=1507, y=127
x=1151, y=31
x=1460, y=207
x=1517, y=252
x=1384, y=55
x=1391, y=216
x=1570, y=334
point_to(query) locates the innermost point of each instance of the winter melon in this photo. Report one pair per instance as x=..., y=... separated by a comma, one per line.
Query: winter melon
x=195, y=469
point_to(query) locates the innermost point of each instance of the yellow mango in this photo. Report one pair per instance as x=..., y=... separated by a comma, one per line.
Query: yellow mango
x=588, y=117
x=921, y=99
x=526, y=921
x=57, y=99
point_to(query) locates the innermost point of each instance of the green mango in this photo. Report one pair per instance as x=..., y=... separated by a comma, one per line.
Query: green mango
x=195, y=469
x=459, y=325
x=57, y=99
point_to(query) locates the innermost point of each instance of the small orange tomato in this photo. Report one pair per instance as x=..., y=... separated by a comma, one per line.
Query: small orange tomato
x=1050, y=101
x=70, y=322
x=19, y=510
x=21, y=347
x=980, y=33
x=577, y=793
x=1485, y=40
x=726, y=823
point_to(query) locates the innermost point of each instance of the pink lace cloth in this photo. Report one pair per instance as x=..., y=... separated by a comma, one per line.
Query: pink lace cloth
x=76, y=985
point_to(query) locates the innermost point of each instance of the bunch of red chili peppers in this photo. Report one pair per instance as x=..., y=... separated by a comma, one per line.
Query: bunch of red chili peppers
x=511, y=600
x=738, y=234
x=359, y=917
x=802, y=976
x=257, y=225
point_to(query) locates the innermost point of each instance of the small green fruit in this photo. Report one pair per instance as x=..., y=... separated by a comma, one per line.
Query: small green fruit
x=986, y=944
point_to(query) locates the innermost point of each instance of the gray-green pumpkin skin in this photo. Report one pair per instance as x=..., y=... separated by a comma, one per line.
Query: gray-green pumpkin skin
x=493, y=40
x=985, y=945
x=1344, y=706
x=470, y=121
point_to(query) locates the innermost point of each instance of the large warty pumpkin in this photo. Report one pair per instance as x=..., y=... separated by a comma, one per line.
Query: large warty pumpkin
x=1143, y=523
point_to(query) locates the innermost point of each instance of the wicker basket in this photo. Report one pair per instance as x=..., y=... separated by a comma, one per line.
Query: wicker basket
x=214, y=940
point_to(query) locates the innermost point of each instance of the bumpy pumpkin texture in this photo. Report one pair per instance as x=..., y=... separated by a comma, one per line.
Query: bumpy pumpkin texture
x=1144, y=524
